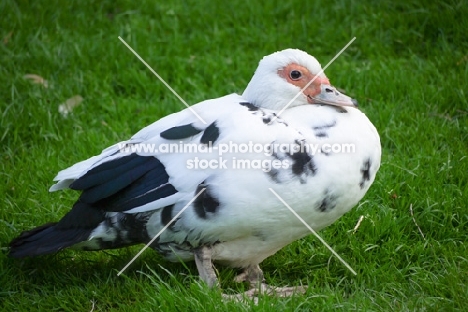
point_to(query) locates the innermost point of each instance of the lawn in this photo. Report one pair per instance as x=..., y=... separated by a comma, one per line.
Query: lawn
x=408, y=67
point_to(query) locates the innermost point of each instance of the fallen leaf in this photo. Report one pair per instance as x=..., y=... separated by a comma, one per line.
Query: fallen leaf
x=462, y=60
x=7, y=38
x=67, y=107
x=36, y=79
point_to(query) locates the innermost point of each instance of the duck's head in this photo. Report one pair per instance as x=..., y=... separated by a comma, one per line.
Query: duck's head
x=292, y=75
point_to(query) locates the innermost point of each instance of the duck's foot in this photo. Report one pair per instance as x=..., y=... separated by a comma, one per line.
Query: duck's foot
x=205, y=267
x=254, y=275
x=265, y=289
x=251, y=274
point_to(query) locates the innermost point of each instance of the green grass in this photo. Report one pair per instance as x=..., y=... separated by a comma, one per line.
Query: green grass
x=408, y=68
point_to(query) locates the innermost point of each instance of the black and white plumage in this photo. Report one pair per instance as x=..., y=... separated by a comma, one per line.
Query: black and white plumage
x=129, y=193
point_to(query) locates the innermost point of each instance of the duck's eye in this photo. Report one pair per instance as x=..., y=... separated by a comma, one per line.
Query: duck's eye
x=295, y=74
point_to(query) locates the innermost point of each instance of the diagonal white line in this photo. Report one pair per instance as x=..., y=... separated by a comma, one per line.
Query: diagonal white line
x=313, y=79
x=160, y=232
x=162, y=80
x=313, y=232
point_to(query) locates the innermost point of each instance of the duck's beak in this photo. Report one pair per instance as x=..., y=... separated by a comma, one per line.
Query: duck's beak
x=329, y=95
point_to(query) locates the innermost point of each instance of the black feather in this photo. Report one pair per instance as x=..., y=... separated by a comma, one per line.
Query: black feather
x=206, y=202
x=250, y=106
x=166, y=214
x=115, y=184
x=211, y=134
x=365, y=172
x=108, y=171
x=153, y=195
x=75, y=227
x=143, y=189
x=180, y=132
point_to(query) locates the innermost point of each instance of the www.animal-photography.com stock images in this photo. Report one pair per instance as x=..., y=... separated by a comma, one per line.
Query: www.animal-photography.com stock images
x=233, y=155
